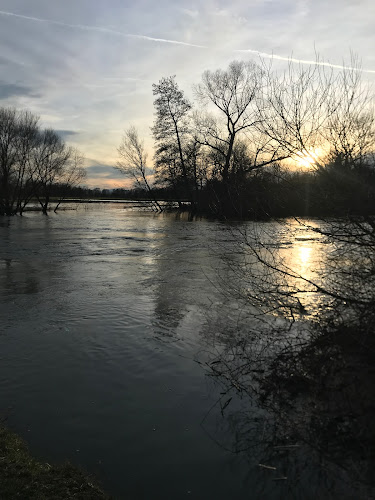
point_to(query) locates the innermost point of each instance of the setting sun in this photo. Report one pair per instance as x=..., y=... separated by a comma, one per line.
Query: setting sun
x=307, y=159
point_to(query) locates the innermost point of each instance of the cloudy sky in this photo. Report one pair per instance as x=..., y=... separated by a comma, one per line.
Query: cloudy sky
x=86, y=67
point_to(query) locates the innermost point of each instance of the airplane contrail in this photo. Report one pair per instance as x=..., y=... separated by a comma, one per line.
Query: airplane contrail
x=99, y=29
x=303, y=61
x=176, y=42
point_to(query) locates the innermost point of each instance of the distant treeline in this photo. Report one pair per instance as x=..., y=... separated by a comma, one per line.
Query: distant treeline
x=85, y=193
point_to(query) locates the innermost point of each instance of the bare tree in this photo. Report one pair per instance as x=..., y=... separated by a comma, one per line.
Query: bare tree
x=233, y=93
x=350, y=130
x=318, y=113
x=171, y=132
x=18, y=133
x=72, y=174
x=133, y=161
x=229, y=127
x=50, y=159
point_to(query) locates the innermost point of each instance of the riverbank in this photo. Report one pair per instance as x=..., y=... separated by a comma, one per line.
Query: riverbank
x=22, y=476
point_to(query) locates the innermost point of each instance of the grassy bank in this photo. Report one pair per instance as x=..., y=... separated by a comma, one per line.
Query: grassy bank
x=22, y=476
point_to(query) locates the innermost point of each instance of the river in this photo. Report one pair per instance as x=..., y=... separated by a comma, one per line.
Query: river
x=108, y=315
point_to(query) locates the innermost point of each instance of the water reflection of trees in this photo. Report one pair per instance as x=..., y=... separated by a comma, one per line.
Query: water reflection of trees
x=178, y=276
x=18, y=277
x=304, y=354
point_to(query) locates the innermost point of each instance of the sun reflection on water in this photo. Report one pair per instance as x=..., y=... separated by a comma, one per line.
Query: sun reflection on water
x=305, y=256
x=303, y=263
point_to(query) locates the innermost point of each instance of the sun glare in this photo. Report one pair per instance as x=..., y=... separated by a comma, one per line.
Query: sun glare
x=307, y=159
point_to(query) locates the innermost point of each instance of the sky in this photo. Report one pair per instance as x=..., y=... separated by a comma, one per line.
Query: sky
x=87, y=67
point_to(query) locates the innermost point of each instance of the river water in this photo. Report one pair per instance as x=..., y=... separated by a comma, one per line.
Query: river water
x=108, y=316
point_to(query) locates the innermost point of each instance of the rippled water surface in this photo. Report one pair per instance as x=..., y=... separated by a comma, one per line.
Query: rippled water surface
x=104, y=312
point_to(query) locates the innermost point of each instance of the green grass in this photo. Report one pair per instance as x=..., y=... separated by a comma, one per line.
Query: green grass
x=24, y=477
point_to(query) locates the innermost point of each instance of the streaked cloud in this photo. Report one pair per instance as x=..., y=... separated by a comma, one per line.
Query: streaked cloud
x=98, y=29
x=302, y=61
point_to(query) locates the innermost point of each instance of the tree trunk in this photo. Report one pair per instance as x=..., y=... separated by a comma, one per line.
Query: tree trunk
x=45, y=205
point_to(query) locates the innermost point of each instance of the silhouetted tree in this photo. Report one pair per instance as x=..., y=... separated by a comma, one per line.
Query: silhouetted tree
x=50, y=159
x=170, y=132
x=71, y=175
x=18, y=134
x=233, y=93
x=319, y=113
x=133, y=161
x=32, y=162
